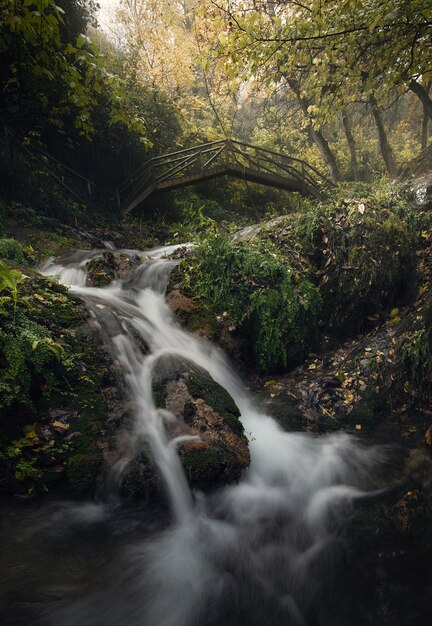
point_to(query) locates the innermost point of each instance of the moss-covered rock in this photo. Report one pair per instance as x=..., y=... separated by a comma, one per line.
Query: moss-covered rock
x=102, y=270
x=204, y=409
x=387, y=372
x=334, y=270
x=53, y=372
x=362, y=252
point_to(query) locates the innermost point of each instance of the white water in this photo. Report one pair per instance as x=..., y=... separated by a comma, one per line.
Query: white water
x=256, y=552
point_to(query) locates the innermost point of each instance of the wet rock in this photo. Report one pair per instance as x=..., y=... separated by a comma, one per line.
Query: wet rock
x=180, y=253
x=111, y=266
x=202, y=408
x=179, y=302
x=408, y=514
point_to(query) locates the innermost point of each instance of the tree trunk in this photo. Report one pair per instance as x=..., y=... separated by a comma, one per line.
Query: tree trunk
x=425, y=130
x=425, y=121
x=327, y=153
x=317, y=136
x=421, y=92
x=385, y=147
x=351, y=144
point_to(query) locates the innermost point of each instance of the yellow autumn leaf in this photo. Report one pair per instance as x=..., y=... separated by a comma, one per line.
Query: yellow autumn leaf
x=60, y=426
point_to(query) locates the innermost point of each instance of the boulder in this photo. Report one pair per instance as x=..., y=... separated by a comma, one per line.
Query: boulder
x=203, y=409
x=102, y=270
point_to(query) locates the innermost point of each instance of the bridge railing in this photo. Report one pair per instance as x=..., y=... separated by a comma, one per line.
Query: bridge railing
x=203, y=160
x=168, y=166
x=278, y=163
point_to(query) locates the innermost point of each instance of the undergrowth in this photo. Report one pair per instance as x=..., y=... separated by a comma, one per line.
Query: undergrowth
x=32, y=357
x=275, y=310
x=416, y=355
x=13, y=250
x=42, y=369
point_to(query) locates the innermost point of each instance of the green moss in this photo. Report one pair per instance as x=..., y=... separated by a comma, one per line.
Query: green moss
x=47, y=361
x=82, y=471
x=205, y=467
x=48, y=243
x=201, y=385
x=201, y=319
x=258, y=290
x=234, y=423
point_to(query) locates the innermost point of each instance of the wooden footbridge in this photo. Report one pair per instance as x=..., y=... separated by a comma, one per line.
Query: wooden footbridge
x=215, y=159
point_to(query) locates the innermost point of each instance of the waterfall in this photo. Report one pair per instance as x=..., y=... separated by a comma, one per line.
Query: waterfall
x=252, y=554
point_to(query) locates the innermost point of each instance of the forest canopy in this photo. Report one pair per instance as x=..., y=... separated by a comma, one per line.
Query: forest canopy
x=344, y=85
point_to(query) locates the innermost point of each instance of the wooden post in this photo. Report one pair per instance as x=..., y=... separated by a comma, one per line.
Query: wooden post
x=200, y=164
x=227, y=151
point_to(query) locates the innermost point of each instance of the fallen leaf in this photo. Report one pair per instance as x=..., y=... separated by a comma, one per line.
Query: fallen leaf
x=59, y=426
x=361, y=208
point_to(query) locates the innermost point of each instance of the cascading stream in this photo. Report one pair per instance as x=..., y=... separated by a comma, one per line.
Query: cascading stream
x=268, y=537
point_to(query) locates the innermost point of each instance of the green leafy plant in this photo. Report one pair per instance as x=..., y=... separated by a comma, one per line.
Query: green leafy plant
x=259, y=292
x=195, y=224
x=416, y=353
x=12, y=250
x=10, y=280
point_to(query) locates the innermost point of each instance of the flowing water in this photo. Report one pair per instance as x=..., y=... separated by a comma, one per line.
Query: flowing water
x=257, y=553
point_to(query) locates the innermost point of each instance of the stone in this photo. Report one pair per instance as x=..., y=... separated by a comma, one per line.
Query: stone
x=179, y=302
x=202, y=408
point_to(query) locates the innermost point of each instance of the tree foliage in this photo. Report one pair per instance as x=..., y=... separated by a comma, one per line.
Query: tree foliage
x=52, y=77
x=329, y=59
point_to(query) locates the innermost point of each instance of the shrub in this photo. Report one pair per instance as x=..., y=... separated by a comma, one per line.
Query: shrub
x=262, y=296
x=12, y=250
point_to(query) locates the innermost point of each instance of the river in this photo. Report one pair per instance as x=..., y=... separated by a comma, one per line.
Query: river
x=264, y=551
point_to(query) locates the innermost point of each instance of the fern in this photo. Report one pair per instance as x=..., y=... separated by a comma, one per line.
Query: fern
x=258, y=289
